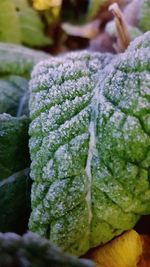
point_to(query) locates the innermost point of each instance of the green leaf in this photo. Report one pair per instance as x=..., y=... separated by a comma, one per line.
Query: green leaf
x=13, y=95
x=18, y=60
x=144, y=20
x=89, y=146
x=9, y=23
x=14, y=154
x=31, y=26
x=60, y=109
x=20, y=23
x=15, y=202
x=94, y=8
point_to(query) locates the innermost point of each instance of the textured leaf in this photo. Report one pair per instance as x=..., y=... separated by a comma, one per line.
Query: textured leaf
x=90, y=140
x=141, y=42
x=18, y=60
x=9, y=23
x=60, y=110
x=31, y=250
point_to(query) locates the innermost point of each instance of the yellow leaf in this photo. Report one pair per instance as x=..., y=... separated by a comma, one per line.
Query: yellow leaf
x=123, y=251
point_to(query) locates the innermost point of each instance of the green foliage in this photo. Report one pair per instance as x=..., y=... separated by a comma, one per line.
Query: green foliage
x=15, y=200
x=14, y=184
x=9, y=23
x=94, y=7
x=60, y=113
x=16, y=62
x=12, y=90
x=78, y=12
x=13, y=141
x=20, y=23
x=89, y=146
x=31, y=26
x=144, y=20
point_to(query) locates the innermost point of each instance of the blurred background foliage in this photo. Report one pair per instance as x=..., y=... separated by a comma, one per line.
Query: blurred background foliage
x=58, y=26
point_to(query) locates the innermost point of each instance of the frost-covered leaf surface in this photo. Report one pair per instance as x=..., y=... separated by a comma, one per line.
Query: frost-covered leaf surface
x=89, y=145
x=141, y=42
x=31, y=250
x=18, y=60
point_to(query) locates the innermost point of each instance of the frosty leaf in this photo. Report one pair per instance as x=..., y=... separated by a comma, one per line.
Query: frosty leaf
x=142, y=42
x=89, y=146
x=32, y=250
x=18, y=60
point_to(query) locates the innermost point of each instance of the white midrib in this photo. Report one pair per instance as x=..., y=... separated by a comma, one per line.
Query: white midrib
x=92, y=147
x=91, y=151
